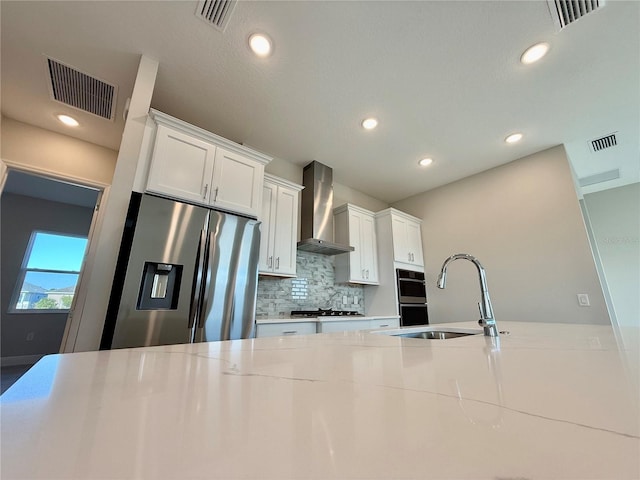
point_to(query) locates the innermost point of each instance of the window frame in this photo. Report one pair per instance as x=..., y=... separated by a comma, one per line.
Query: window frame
x=24, y=270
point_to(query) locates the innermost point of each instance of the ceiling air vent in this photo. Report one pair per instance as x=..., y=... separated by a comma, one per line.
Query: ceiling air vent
x=216, y=12
x=79, y=90
x=565, y=12
x=604, y=142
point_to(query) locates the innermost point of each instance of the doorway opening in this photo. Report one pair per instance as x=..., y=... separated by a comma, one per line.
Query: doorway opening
x=45, y=225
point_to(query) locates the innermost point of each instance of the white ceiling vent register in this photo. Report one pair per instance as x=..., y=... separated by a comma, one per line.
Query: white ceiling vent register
x=80, y=90
x=565, y=12
x=216, y=12
x=604, y=142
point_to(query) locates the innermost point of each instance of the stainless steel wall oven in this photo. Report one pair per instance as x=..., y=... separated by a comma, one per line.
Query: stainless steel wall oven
x=412, y=298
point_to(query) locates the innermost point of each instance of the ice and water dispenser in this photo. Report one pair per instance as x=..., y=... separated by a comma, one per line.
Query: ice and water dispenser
x=160, y=286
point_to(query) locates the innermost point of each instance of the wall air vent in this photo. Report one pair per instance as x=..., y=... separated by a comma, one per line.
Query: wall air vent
x=216, y=12
x=604, y=142
x=80, y=90
x=565, y=12
x=599, y=177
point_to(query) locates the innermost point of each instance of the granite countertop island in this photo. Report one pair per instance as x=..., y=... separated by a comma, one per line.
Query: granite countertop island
x=546, y=401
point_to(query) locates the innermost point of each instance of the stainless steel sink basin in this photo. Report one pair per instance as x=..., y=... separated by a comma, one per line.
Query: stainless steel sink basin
x=435, y=335
x=430, y=333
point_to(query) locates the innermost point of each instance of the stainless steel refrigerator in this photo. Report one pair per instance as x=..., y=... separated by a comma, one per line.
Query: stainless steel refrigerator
x=184, y=274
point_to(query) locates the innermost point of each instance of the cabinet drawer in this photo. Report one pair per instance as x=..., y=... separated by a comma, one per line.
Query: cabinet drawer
x=328, y=327
x=283, y=329
x=385, y=323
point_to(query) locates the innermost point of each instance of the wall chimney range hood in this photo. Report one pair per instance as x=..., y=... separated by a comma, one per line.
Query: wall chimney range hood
x=317, y=212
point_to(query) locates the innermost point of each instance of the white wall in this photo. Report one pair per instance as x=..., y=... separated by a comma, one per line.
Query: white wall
x=35, y=149
x=522, y=220
x=615, y=221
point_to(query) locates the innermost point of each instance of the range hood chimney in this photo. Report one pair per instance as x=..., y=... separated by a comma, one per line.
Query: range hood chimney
x=317, y=212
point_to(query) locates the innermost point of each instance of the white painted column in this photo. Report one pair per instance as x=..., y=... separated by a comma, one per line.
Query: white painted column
x=85, y=328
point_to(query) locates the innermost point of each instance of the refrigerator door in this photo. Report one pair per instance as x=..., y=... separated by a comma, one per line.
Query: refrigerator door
x=157, y=295
x=229, y=294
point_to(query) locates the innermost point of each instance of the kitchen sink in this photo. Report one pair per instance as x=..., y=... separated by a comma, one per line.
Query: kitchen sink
x=430, y=333
x=435, y=335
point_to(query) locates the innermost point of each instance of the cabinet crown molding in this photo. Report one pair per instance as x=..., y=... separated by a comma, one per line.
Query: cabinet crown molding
x=393, y=211
x=163, y=119
x=282, y=182
x=351, y=207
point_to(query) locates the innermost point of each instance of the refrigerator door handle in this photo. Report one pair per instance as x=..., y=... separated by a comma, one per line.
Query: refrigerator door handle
x=197, y=290
x=207, y=287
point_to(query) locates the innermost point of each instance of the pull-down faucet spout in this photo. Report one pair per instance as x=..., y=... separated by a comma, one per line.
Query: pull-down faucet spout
x=486, y=310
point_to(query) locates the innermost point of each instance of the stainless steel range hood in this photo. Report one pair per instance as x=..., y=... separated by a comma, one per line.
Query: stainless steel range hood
x=317, y=212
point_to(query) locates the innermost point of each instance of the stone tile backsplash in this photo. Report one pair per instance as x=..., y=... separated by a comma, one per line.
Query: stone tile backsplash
x=313, y=288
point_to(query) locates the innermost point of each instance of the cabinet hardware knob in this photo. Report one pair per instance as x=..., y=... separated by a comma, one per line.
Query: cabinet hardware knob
x=206, y=189
x=277, y=263
x=215, y=196
x=289, y=332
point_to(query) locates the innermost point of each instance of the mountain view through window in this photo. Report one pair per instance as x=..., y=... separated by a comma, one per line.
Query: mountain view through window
x=50, y=271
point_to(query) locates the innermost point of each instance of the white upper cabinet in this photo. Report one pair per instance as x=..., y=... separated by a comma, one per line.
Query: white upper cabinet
x=355, y=226
x=182, y=166
x=279, y=217
x=188, y=163
x=405, y=236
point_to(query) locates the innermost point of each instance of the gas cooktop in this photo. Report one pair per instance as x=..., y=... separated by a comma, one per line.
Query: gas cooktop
x=322, y=312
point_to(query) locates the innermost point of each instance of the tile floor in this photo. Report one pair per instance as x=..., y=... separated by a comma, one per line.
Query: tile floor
x=10, y=374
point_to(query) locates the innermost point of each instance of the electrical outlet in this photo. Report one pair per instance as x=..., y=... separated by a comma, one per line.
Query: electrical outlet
x=355, y=300
x=583, y=300
x=30, y=336
x=345, y=300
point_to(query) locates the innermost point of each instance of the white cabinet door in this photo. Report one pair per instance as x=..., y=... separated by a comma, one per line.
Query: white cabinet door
x=414, y=243
x=267, y=226
x=369, y=249
x=356, y=267
x=407, y=241
x=181, y=166
x=286, y=232
x=356, y=227
x=279, y=217
x=285, y=329
x=237, y=183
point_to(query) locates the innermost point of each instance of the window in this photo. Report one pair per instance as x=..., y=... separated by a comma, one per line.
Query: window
x=49, y=273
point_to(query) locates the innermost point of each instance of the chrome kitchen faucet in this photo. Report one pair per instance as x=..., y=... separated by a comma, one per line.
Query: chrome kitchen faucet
x=486, y=310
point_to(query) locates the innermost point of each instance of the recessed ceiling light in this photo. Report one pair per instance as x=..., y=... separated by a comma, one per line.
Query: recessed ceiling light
x=534, y=53
x=425, y=161
x=513, y=138
x=369, y=123
x=260, y=44
x=68, y=121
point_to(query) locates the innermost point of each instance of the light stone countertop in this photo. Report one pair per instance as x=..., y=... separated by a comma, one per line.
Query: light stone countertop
x=545, y=402
x=328, y=318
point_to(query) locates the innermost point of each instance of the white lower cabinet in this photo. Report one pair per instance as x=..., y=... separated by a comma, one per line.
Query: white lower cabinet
x=284, y=329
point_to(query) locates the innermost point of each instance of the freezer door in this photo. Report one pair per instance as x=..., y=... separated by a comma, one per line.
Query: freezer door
x=159, y=283
x=229, y=296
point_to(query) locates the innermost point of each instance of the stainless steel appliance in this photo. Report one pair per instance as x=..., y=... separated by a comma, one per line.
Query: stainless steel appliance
x=185, y=274
x=316, y=228
x=325, y=312
x=412, y=298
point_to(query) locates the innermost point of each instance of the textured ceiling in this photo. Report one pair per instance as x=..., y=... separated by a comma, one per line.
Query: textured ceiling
x=442, y=77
